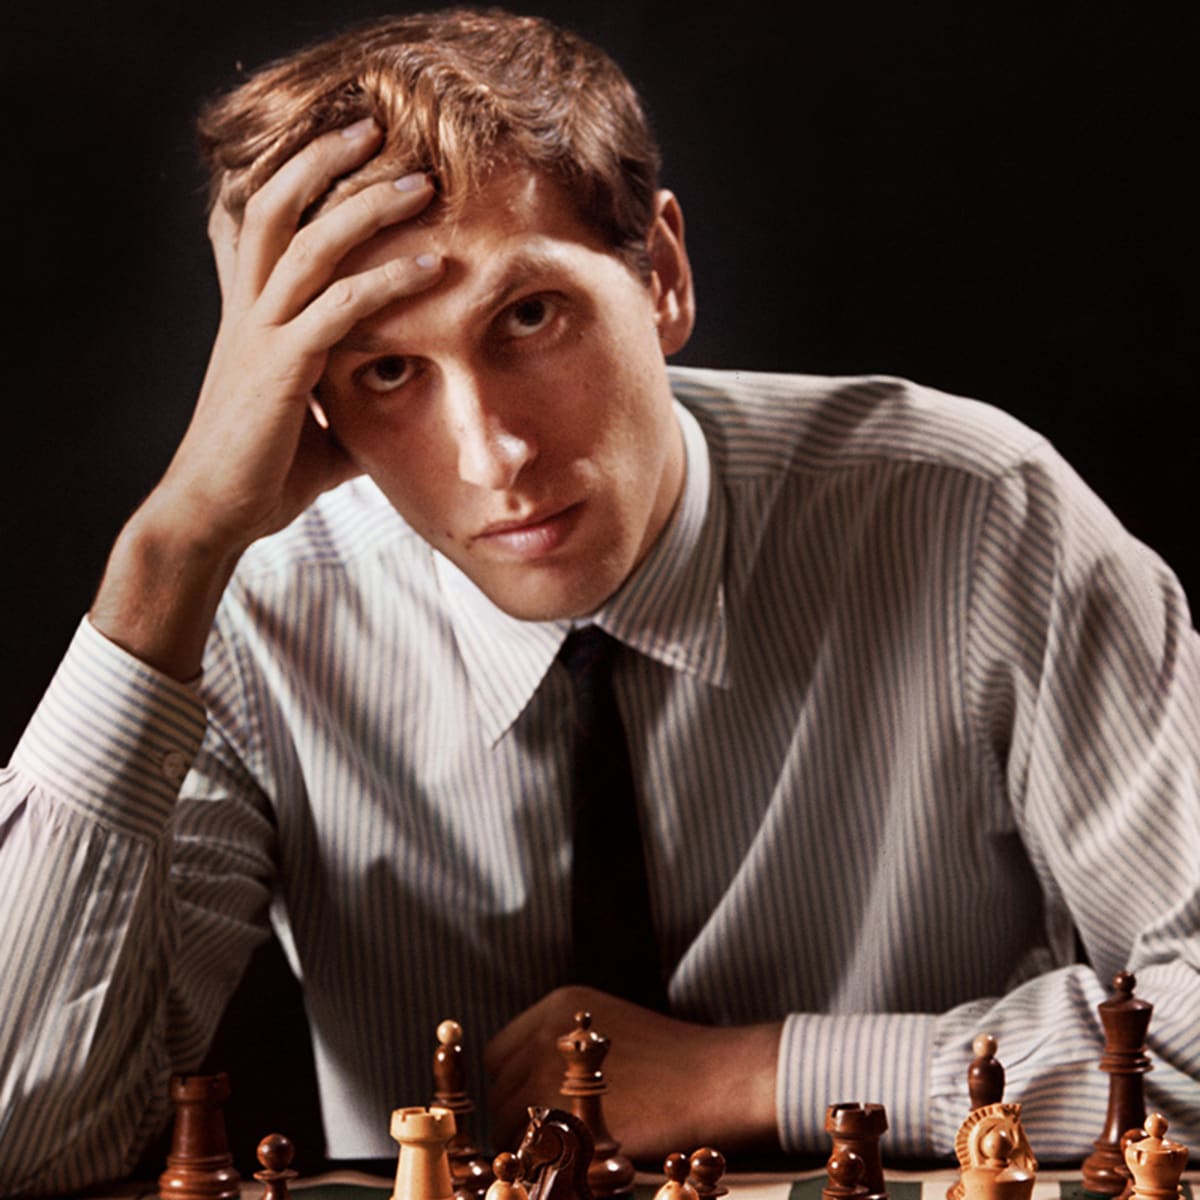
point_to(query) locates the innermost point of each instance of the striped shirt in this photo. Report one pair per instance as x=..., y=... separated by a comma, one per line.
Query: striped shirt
x=914, y=721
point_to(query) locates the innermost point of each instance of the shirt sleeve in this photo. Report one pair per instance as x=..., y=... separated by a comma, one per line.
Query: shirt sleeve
x=1082, y=679
x=114, y=930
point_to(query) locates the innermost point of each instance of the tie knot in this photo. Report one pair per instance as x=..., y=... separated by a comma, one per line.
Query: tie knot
x=588, y=653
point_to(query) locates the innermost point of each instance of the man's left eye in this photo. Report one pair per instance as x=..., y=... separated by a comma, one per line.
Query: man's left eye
x=528, y=316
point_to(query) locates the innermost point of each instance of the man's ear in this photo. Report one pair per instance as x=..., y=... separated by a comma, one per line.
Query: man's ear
x=671, y=275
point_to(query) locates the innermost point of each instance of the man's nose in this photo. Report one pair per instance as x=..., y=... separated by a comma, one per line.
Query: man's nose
x=493, y=443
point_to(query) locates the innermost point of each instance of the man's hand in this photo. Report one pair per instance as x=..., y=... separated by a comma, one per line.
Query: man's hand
x=253, y=457
x=673, y=1085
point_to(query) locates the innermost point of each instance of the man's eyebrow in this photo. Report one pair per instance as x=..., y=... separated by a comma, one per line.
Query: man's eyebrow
x=519, y=272
x=522, y=268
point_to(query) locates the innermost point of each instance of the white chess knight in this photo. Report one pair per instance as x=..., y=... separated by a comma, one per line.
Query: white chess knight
x=1155, y=1162
x=994, y=1175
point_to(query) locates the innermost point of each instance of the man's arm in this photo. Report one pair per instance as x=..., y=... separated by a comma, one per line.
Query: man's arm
x=92, y=926
x=253, y=457
x=674, y=1084
x=1086, y=691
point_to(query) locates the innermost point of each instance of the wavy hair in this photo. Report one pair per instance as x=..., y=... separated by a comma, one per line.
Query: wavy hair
x=457, y=93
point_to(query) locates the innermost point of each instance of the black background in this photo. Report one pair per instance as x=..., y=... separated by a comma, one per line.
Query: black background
x=995, y=199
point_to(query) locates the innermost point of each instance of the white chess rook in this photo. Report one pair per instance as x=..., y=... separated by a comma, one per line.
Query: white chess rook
x=423, y=1168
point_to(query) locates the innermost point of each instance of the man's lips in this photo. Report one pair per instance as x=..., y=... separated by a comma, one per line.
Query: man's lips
x=532, y=536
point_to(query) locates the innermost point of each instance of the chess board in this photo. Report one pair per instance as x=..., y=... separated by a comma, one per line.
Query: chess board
x=931, y=1185
x=916, y=1188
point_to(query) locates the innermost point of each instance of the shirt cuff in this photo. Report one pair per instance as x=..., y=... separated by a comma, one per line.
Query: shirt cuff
x=112, y=737
x=880, y=1058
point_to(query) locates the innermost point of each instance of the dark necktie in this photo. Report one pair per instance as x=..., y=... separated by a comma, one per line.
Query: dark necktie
x=613, y=940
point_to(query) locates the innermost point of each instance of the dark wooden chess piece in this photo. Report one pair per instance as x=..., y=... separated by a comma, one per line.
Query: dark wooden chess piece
x=507, y=1185
x=858, y=1127
x=1125, y=1019
x=275, y=1152
x=470, y=1171
x=676, y=1185
x=985, y=1076
x=199, y=1165
x=845, y=1177
x=611, y=1173
x=554, y=1155
x=1155, y=1162
x=707, y=1168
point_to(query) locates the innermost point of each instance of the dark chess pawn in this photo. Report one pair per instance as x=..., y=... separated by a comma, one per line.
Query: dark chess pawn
x=859, y=1127
x=677, y=1185
x=507, y=1185
x=844, y=1172
x=275, y=1153
x=199, y=1165
x=985, y=1076
x=707, y=1167
x=611, y=1173
x=1126, y=1019
x=470, y=1170
x=1155, y=1162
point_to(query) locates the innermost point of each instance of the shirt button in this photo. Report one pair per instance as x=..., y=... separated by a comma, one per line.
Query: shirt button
x=174, y=766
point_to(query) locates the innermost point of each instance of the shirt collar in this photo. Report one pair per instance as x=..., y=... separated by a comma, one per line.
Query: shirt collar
x=672, y=608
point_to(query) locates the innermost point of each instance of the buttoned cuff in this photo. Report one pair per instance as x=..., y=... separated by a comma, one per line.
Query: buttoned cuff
x=112, y=737
x=881, y=1058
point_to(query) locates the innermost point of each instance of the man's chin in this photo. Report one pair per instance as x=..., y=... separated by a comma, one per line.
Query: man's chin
x=547, y=595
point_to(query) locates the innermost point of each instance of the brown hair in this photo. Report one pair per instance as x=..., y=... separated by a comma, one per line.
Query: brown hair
x=457, y=93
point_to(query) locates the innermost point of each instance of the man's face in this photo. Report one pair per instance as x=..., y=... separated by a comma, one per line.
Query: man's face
x=517, y=414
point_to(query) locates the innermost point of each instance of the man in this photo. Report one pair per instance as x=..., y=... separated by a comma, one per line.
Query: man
x=910, y=716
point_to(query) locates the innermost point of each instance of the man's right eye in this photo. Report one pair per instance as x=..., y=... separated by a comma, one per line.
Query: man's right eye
x=385, y=374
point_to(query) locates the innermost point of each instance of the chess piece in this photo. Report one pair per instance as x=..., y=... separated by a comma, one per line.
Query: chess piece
x=554, y=1155
x=1125, y=1019
x=506, y=1179
x=1156, y=1163
x=707, y=1169
x=423, y=1168
x=611, y=1173
x=971, y=1144
x=470, y=1171
x=199, y=1165
x=275, y=1153
x=985, y=1086
x=995, y=1176
x=844, y=1172
x=985, y=1076
x=1127, y=1139
x=677, y=1185
x=858, y=1127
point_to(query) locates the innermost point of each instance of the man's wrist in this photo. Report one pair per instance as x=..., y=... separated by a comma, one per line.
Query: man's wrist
x=161, y=588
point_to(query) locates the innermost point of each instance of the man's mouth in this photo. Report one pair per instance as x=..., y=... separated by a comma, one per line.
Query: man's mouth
x=530, y=537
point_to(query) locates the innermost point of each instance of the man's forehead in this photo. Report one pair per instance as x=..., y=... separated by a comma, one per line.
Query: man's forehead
x=520, y=221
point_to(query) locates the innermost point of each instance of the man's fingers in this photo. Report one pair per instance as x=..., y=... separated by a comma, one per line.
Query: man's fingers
x=223, y=234
x=537, y=1028
x=308, y=263
x=346, y=301
x=273, y=213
